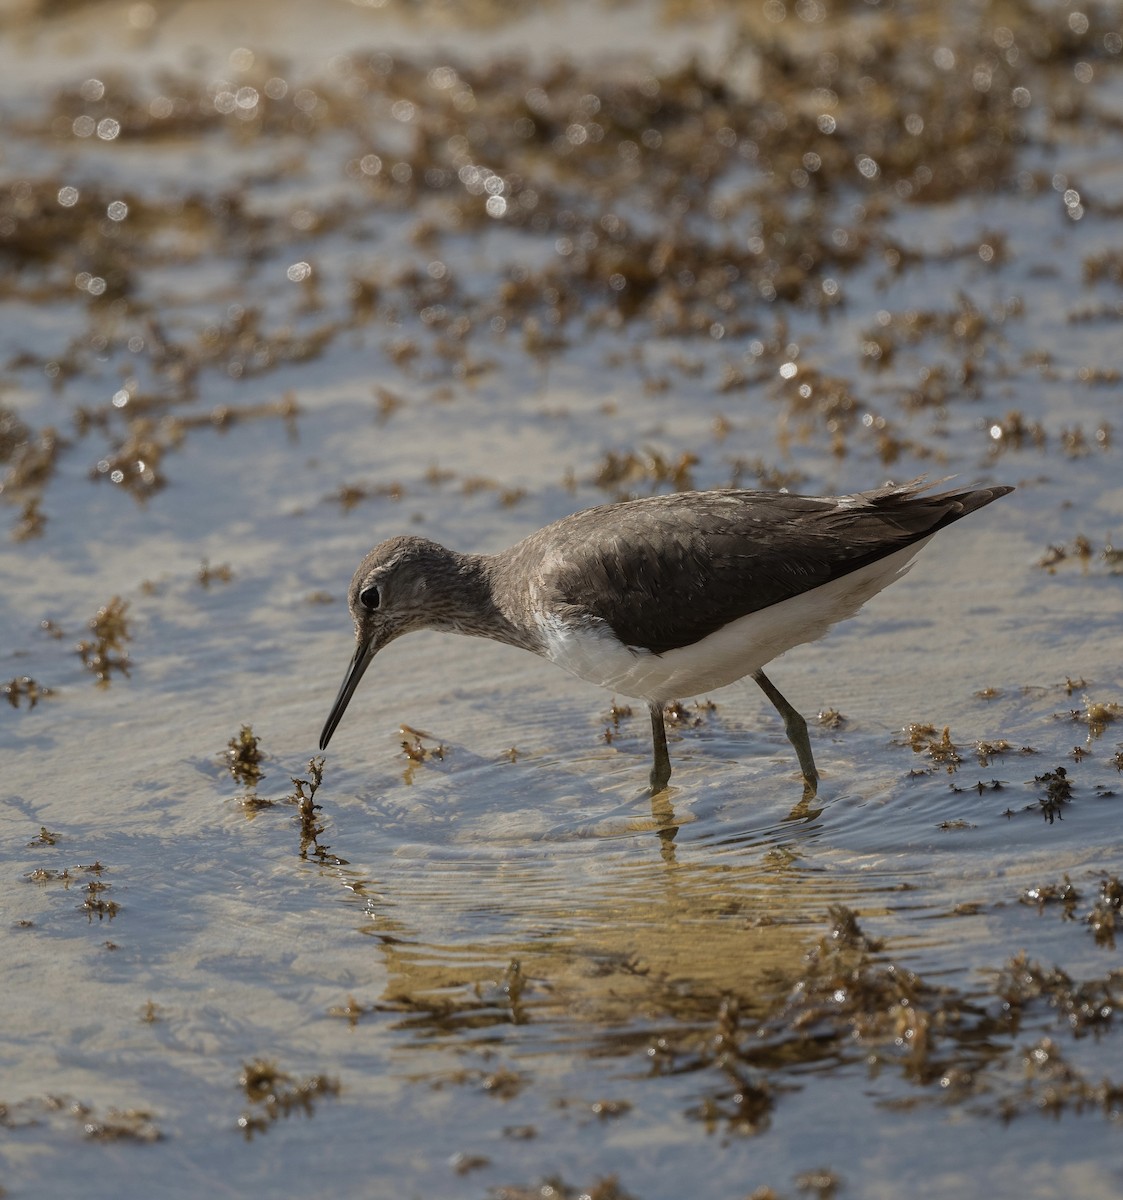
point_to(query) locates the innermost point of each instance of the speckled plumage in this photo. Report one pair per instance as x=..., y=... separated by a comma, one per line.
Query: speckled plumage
x=666, y=596
x=666, y=571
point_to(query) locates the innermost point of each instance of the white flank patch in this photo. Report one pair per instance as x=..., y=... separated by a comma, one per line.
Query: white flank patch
x=732, y=652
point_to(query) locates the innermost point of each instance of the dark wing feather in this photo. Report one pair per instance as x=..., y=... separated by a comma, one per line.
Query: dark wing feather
x=669, y=570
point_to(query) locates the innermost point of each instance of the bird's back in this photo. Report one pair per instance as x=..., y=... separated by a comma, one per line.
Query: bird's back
x=667, y=571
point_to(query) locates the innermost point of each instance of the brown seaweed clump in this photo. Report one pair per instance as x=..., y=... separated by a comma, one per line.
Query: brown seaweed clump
x=105, y=653
x=272, y=1094
x=244, y=758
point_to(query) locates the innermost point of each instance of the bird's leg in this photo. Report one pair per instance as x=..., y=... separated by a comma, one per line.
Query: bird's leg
x=796, y=729
x=661, y=770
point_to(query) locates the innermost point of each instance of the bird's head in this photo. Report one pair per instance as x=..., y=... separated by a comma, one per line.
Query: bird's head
x=396, y=590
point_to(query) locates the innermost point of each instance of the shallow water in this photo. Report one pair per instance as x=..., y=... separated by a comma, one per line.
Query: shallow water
x=498, y=967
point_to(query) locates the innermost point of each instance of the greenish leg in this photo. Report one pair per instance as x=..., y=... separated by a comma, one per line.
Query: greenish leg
x=661, y=770
x=796, y=729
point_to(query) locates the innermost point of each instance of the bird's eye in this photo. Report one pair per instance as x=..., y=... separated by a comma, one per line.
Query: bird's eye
x=369, y=597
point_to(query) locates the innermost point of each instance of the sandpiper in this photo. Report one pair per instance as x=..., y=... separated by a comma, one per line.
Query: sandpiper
x=664, y=597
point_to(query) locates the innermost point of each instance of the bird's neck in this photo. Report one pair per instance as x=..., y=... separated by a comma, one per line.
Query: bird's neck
x=475, y=603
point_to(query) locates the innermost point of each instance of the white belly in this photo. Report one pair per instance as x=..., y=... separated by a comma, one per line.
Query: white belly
x=732, y=652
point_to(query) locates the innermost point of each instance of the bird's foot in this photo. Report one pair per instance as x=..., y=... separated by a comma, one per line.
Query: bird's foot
x=658, y=780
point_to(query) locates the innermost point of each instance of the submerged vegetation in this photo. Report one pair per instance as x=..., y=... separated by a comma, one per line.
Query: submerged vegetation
x=272, y=1094
x=105, y=652
x=244, y=758
x=714, y=202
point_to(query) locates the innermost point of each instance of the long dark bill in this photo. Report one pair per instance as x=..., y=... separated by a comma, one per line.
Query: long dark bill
x=359, y=664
